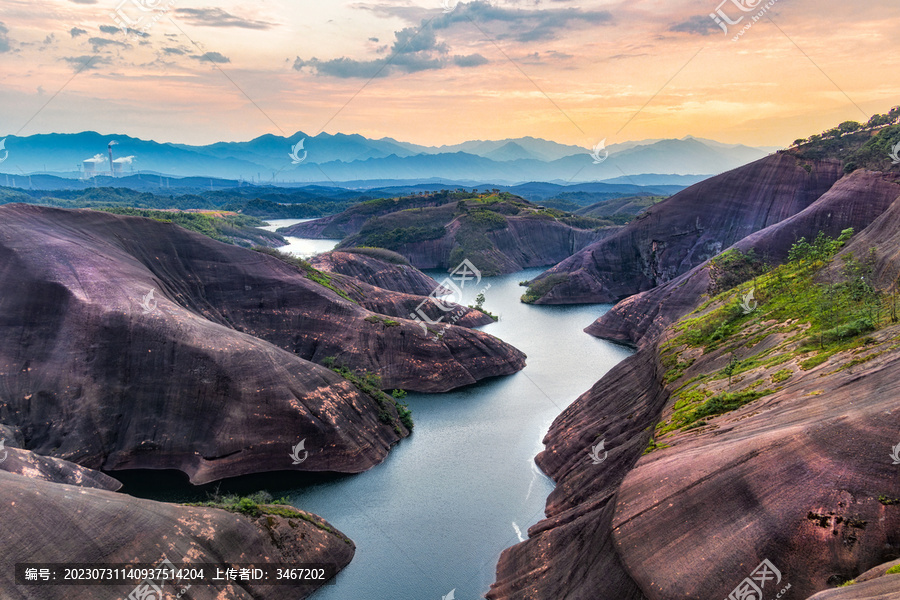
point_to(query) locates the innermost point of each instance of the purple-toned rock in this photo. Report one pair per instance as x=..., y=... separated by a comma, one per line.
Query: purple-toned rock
x=689, y=228
x=856, y=201
x=126, y=343
x=395, y=276
x=46, y=522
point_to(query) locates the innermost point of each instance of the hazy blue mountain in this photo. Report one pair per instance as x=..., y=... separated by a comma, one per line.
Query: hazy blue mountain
x=327, y=158
x=511, y=151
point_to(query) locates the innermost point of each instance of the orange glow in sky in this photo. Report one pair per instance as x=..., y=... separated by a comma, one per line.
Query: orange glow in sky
x=441, y=72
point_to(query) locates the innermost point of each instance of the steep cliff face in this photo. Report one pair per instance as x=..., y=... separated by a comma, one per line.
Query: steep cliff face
x=49, y=522
x=572, y=554
x=689, y=228
x=498, y=233
x=798, y=477
x=772, y=439
x=350, y=221
x=855, y=201
x=389, y=276
x=210, y=374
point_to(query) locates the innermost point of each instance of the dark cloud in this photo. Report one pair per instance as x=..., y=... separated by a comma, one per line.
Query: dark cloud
x=178, y=51
x=697, y=25
x=85, y=62
x=75, y=32
x=414, y=49
x=519, y=24
x=4, y=38
x=110, y=29
x=524, y=25
x=214, y=57
x=216, y=17
x=471, y=60
x=99, y=43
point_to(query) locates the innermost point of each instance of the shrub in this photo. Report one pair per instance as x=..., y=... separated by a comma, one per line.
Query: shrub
x=726, y=402
x=541, y=287
x=782, y=375
x=388, y=256
x=732, y=268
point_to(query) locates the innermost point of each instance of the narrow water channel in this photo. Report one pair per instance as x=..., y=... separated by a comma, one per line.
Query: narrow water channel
x=436, y=514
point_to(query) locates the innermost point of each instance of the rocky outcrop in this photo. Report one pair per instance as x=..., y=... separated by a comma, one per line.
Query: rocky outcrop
x=797, y=477
x=871, y=585
x=46, y=468
x=389, y=276
x=801, y=474
x=211, y=373
x=48, y=522
x=439, y=309
x=498, y=233
x=859, y=200
x=350, y=221
x=689, y=228
x=522, y=243
x=571, y=553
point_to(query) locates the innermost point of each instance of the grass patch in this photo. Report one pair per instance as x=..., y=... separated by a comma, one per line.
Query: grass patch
x=310, y=272
x=814, y=361
x=383, y=320
x=245, y=505
x=782, y=375
x=370, y=384
x=540, y=288
x=893, y=570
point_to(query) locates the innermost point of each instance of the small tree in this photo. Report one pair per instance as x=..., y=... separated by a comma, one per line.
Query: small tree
x=731, y=367
x=479, y=301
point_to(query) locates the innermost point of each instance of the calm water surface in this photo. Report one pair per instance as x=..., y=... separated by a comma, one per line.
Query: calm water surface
x=302, y=247
x=436, y=514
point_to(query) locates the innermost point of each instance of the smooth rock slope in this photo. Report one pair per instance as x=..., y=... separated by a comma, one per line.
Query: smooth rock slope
x=211, y=374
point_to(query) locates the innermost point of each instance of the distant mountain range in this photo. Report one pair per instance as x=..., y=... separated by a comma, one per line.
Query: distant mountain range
x=327, y=158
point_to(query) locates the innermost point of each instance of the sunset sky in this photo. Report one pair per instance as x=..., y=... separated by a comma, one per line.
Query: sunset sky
x=571, y=71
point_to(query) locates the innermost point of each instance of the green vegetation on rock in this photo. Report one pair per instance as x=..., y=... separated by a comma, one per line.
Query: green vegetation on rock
x=370, y=384
x=542, y=287
x=310, y=272
x=859, y=145
x=231, y=228
x=809, y=315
